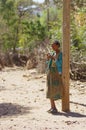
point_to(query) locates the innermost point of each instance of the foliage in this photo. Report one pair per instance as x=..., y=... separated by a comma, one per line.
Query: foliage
x=78, y=29
x=25, y=29
x=55, y=26
x=34, y=32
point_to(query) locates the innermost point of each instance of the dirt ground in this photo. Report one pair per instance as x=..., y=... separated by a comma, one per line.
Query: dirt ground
x=23, y=103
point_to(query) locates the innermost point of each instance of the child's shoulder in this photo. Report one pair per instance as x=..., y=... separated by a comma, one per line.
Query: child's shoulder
x=60, y=54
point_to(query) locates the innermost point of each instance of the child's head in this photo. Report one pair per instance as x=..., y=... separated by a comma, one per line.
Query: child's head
x=55, y=45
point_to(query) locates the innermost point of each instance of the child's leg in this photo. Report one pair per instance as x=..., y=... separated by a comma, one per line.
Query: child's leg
x=53, y=109
x=52, y=103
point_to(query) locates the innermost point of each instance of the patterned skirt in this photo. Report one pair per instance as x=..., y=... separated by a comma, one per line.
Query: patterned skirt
x=54, y=84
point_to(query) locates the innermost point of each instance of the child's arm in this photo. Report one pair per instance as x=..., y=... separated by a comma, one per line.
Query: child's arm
x=59, y=63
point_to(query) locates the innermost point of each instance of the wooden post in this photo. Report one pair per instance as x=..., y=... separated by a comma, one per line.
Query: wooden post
x=66, y=54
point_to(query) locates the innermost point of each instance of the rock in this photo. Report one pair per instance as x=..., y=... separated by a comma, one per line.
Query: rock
x=29, y=64
x=82, y=86
x=78, y=83
x=11, y=120
x=41, y=89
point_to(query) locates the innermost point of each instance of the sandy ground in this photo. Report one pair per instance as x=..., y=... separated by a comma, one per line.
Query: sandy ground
x=23, y=103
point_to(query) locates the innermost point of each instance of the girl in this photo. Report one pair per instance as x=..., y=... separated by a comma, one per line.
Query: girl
x=54, y=76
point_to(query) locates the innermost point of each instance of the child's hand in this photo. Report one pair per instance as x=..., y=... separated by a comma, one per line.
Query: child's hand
x=49, y=56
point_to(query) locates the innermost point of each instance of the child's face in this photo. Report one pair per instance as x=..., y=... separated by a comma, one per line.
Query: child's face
x=55, y=47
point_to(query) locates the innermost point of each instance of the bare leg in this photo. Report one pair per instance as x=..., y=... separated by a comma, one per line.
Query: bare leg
x=53, y=109
x=52, y=103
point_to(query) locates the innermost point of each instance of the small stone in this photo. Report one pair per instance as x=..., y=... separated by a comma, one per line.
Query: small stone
x=11, y=120
x=41, y=89
x=78, y=83
x=82, y=86
x=35, y=100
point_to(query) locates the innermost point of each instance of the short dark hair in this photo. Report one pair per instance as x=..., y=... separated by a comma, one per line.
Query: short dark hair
x=56, y=42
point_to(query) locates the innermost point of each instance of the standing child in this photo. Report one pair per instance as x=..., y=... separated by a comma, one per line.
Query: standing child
x=54, y=76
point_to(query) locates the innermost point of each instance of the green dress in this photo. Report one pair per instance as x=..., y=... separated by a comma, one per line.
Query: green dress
x=54, y=82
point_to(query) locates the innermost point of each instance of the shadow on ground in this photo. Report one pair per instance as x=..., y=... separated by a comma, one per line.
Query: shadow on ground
x=70, y=114
x=84, y=105
x=9, y=109
x=73, y=114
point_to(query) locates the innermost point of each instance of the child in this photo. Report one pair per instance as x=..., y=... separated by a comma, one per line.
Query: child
x=54, y=76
